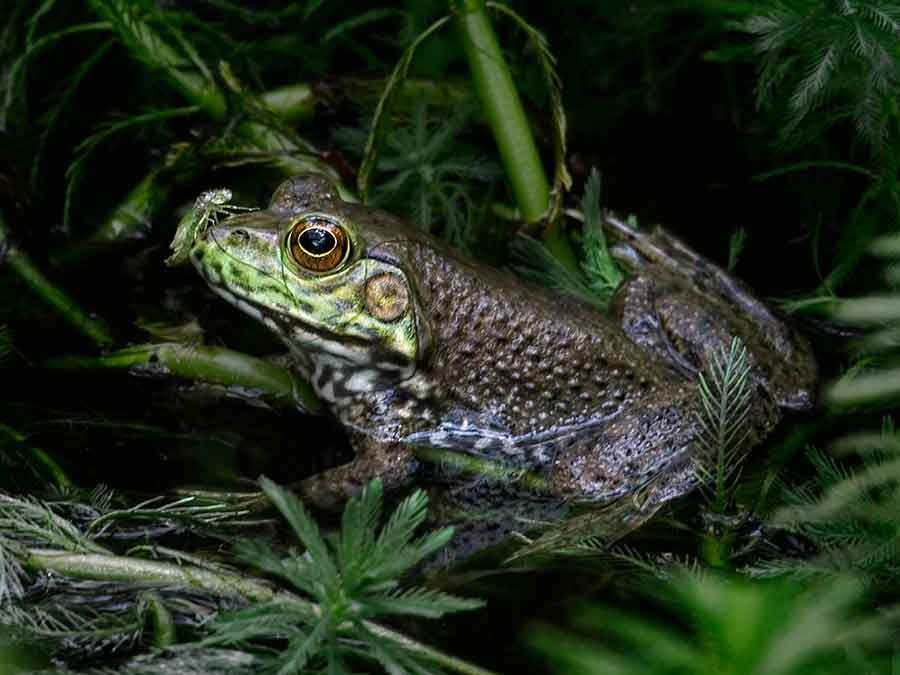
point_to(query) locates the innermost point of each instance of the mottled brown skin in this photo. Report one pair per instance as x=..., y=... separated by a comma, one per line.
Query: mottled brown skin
x=493, y=345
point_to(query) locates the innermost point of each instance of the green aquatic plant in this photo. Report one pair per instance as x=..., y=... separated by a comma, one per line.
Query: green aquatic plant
x=849, y=508
x=723, y=419
x=599, y=275
x=603, y=272
x=875, y=379
x=717, y=624
x=839, y=60
x=427, y=169
x=354, y=577
x=324, y=611
x=847, y=512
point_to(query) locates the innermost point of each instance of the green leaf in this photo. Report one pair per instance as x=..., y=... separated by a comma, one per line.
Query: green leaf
x=603, y=273
x=305, y=529
x=424, y=602
x=534, y=261
x=356, y=544
x=726, y=401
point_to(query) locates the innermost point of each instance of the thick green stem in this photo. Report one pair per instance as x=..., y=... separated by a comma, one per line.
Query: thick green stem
x=47, y=291
x=213, y=364
x=135, y=570
x=503, y=110
x=223, y=584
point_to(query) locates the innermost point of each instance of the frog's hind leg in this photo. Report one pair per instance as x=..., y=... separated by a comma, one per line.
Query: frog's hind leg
x=682, y=307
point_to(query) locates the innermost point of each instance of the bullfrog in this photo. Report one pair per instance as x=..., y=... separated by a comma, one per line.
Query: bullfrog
x=412, y=345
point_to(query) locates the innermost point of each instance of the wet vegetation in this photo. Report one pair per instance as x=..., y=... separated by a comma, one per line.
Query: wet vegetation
x=139, y=410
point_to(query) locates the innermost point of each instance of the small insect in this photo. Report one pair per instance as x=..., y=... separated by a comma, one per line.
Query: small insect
x=207, y=208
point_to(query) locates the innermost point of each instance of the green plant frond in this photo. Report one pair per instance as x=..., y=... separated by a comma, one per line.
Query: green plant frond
x=726, y=401
x=394, y=661
x=841, y=496
x=29, y=521
x=304, y=528
x=879, y=386
x=428, y=172
x=273, y=619
x=533, y=261
x=396, y=550
x=777, y=628
x=812, y=87
x=871, y=310
x=12, y=574
x=359, y=582
x=818, y=54
x=385, y=102
x=301, y=648
x=292, y=569
x=828, y=470
x=872, y=444
x=356, y=543
x=424, y=602
x=735, y=247
x=59, y=629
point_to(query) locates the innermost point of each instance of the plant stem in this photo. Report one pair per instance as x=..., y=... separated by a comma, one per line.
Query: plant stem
x=134, y=570
x=200, y=88
x=28, y=272
x=163, y=626
x=223, y=584
x=292, y=104
x=52, y=471
x=503, y=110
x=484, y=467
x=144, y=42
x=134, y=213
x=213, y=364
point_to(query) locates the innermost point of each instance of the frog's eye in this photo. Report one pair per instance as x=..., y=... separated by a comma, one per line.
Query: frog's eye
x=318, y=244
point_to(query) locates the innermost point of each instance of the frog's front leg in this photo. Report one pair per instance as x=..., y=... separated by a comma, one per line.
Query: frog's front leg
x=391, y=461
x=682, y=306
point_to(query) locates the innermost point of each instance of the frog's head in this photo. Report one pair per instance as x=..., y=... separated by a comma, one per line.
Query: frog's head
x=328, y=276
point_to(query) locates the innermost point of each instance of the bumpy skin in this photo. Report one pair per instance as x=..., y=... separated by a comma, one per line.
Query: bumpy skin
x=473, y=359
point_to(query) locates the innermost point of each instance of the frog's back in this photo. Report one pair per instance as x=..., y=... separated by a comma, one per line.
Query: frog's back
x=525, y=352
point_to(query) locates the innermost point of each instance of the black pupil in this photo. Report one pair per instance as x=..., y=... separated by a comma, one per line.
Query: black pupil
x=317, y=241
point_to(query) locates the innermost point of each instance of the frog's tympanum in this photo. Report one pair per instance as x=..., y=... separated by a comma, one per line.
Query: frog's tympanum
x=412, y=345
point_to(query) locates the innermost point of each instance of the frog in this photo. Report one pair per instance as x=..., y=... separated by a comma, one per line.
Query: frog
x=413, y=345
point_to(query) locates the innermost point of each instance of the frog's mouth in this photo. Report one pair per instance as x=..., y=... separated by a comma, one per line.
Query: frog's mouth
x=303, y=336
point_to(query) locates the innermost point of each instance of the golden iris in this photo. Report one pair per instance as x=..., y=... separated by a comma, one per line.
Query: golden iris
x=318, y=244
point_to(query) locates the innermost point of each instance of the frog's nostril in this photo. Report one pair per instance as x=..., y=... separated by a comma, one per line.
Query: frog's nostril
x=239, y=236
